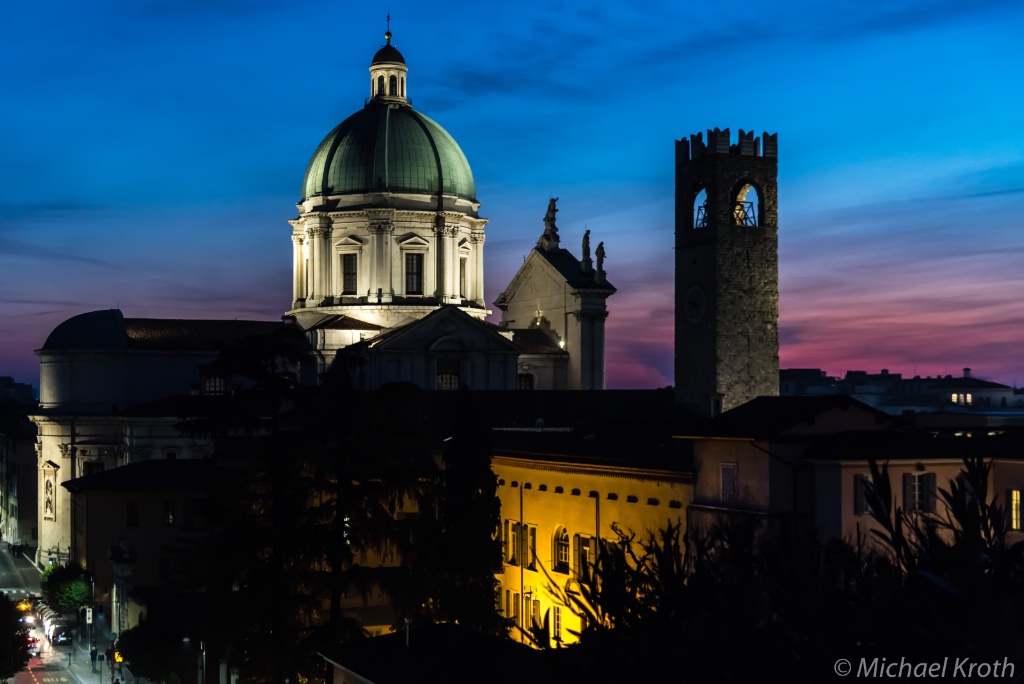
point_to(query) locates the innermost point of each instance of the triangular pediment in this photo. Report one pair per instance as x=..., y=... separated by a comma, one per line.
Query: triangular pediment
x=413, y=240
x=351, y=240
x=445, y=331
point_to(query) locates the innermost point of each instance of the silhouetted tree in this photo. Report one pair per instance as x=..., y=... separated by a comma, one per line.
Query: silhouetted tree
x=14, y=655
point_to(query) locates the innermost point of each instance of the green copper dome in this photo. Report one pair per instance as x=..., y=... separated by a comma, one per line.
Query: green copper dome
x=388, y=147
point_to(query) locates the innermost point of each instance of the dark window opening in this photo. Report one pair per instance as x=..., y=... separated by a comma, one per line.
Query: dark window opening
x=414, y=274
x=348, y=271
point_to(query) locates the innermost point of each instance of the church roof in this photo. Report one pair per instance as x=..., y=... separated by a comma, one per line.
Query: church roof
x=536, y=341
x=110, y=330
x=388, y=54
x=568, y=267
x=388, y=147
x=448, y=323
x=156, y=474
x=765, y=417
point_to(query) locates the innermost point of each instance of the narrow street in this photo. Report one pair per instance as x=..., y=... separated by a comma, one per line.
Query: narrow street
x=19, y=578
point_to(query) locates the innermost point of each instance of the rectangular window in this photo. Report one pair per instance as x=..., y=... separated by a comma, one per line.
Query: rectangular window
x=730, y=482
x=1013, y=499
x=462, y=278
x=92, y=467
x=132, y=517
x=348, y=274
x=512, y=542
x=556, y=623
x=535, y=614
x=583, y=556
x=515, y=608
x=919, y=492
x=860, y=502
x=414, y=274
x=530, y=555
x=169, y=511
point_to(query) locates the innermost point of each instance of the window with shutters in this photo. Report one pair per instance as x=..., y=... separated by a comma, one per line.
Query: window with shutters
x=561, y=550
x=919, y=492
x=556, y=623
x=584, y=555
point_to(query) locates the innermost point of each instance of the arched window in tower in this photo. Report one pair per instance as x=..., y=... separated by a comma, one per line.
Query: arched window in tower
x=403, y=86
x=746, y=211
x=393, y=82
x=380, y=85
x=700, y=209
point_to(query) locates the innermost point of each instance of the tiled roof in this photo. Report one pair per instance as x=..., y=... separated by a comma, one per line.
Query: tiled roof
x=157, y=474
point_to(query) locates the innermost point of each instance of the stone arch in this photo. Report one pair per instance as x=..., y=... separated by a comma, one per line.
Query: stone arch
x=747, y=204
x=700, y=207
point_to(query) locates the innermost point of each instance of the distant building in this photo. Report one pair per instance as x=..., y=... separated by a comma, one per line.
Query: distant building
x=894, y=394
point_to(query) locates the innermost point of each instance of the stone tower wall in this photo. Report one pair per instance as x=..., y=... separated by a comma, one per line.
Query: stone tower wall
x=726, y=284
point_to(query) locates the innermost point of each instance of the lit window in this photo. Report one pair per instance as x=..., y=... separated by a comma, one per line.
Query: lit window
x=215, y=387
x=348, y=274
x=414, y=274
x=969, y=401
x=954, y=397
x=1013, y=497
x=447, y=381
x=448, y=374
x=919, y=492
x=730, y=482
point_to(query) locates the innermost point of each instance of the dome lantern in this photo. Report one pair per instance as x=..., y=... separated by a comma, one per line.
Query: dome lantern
x=388, y=71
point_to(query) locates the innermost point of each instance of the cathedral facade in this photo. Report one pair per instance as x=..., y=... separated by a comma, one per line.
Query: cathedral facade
x=388, y=262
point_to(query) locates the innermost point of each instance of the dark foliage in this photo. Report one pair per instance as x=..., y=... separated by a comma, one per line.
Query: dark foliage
x=66, y=587
x=735, y=607
x=14, y=654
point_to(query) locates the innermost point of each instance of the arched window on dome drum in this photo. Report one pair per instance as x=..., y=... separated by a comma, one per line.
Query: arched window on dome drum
x=380, y=85
x=403, y=86
x=394, y=85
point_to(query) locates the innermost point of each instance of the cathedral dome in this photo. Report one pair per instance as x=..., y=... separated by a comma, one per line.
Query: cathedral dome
x=388, y=147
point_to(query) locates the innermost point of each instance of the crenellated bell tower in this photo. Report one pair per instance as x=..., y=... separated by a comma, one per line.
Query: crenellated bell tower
x=727, y=270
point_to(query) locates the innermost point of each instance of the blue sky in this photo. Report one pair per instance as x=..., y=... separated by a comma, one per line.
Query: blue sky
x=153, y=151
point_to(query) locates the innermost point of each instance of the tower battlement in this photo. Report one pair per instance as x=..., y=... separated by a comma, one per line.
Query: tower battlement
x=719, y=143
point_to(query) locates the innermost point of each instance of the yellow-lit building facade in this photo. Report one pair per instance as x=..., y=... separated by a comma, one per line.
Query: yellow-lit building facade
x=553, y=512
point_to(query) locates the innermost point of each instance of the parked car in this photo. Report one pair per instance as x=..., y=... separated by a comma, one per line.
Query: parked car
x=33, y=645
x=62, y=635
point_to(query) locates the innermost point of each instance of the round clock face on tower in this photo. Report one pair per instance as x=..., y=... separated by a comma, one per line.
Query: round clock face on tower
x=695, y=303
